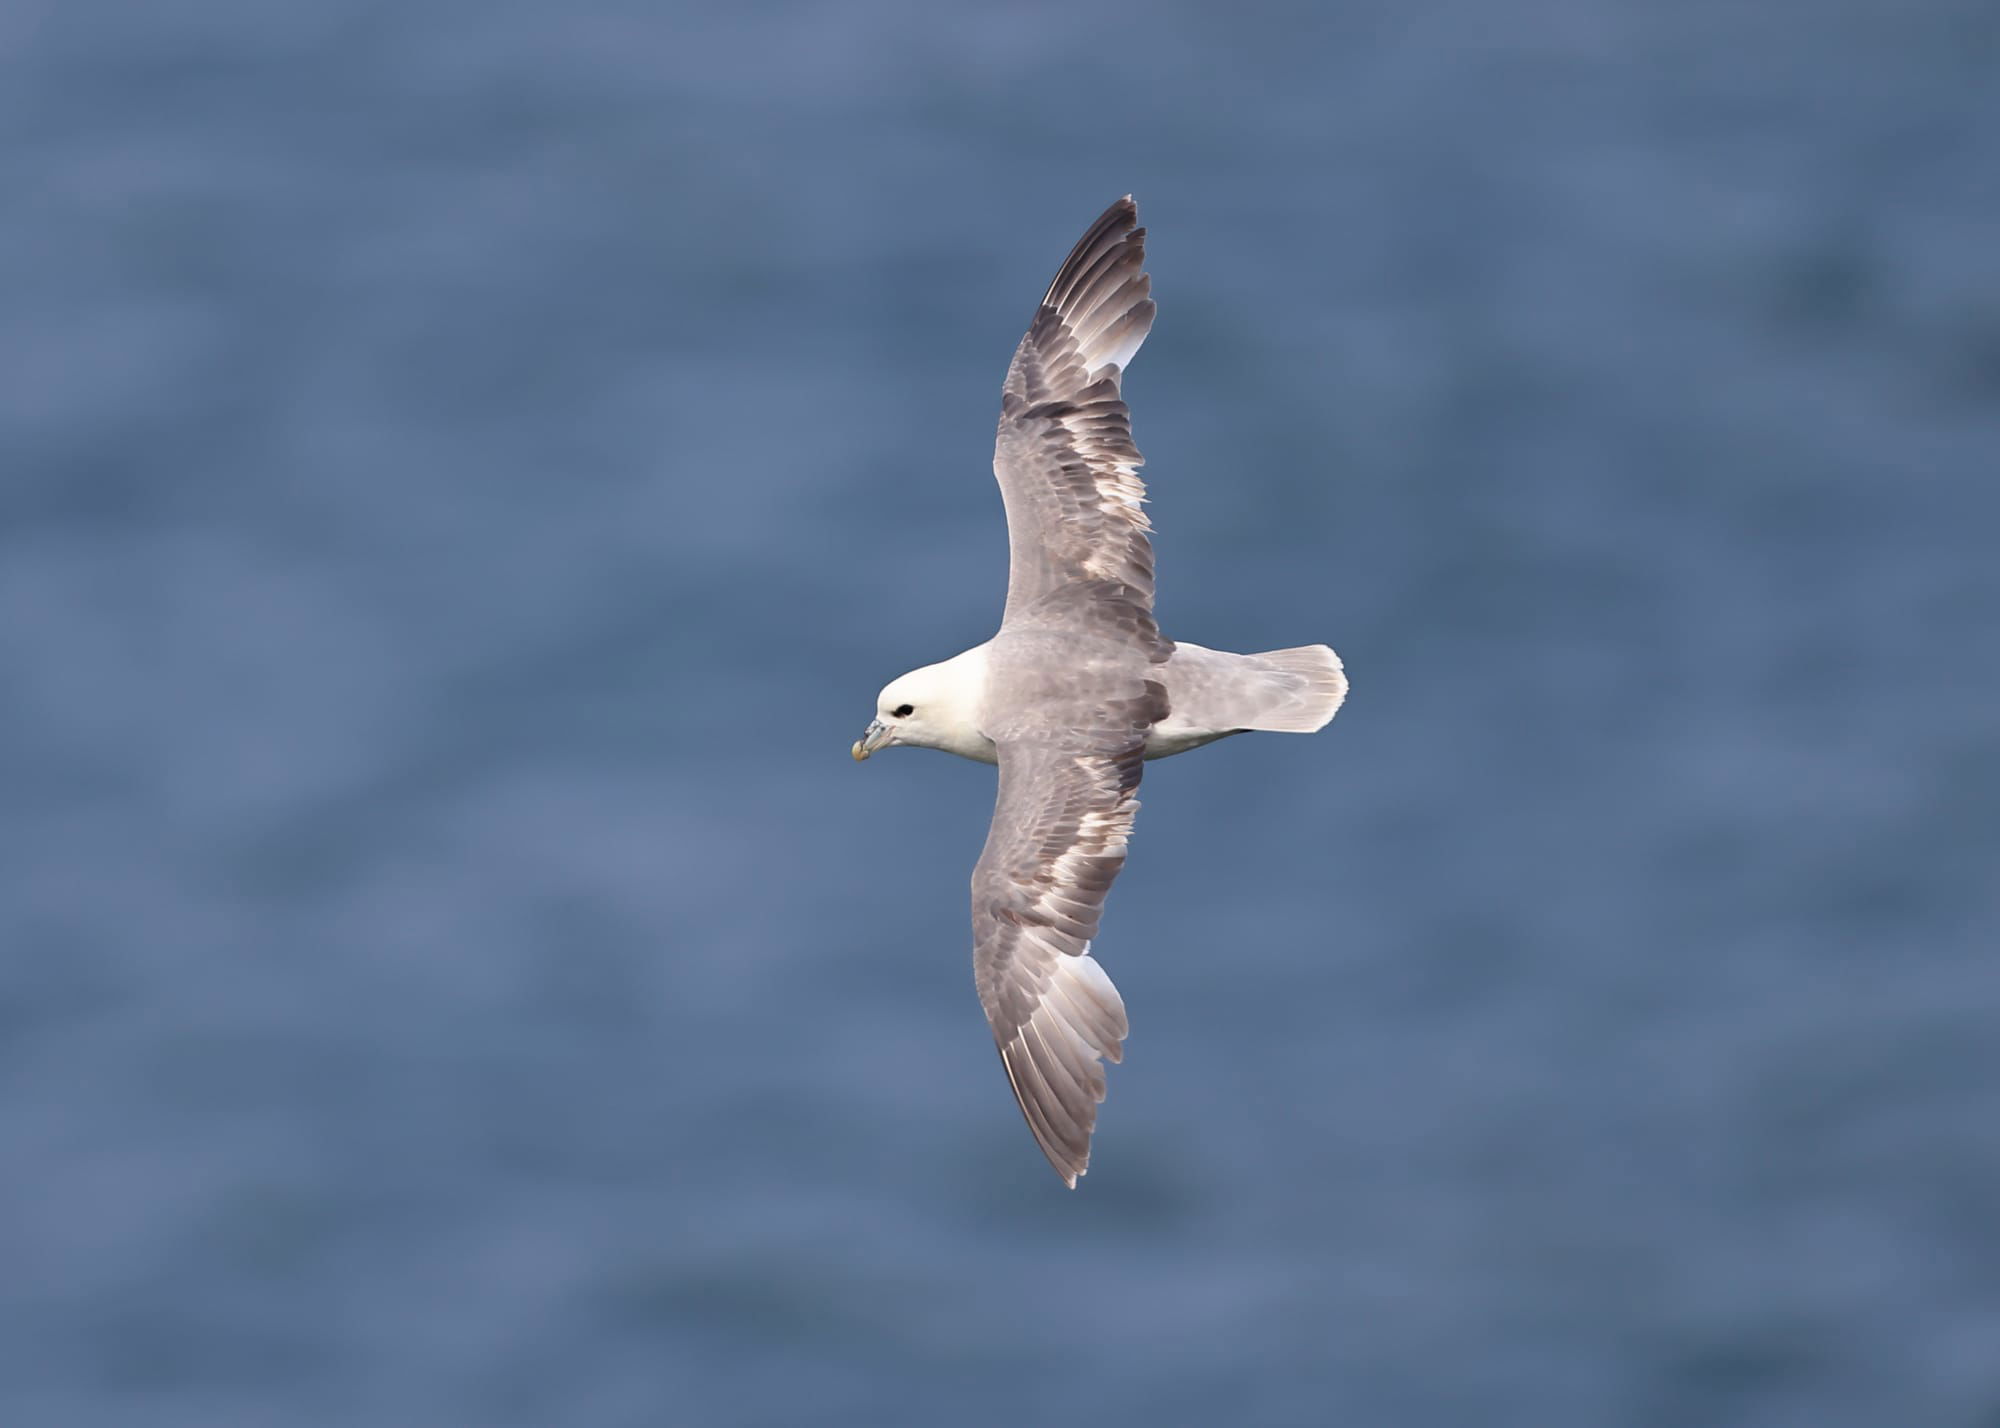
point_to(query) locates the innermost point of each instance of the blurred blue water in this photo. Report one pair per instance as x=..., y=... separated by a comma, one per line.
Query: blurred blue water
x=465, y=471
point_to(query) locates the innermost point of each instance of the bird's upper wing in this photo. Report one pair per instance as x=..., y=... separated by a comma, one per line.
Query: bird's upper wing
x=1064, y=457
x=1060, y=823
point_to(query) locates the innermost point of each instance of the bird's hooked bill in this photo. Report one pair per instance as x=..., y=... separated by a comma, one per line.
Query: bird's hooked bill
x=872, y=738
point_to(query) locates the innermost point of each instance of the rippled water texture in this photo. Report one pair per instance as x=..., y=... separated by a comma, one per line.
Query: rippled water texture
x=466, y=470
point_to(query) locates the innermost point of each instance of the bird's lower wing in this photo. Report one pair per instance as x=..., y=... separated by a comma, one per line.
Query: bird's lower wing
x=1060, y=826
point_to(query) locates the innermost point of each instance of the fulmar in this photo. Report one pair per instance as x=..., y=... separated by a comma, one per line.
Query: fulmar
x=1077, y=689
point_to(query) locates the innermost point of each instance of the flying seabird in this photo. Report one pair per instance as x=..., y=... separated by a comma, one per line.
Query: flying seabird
x=1077, y=688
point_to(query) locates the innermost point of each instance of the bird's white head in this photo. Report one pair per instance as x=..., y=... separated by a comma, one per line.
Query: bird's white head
x=936, y=707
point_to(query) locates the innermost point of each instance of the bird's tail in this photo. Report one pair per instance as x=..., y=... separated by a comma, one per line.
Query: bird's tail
x=1297, y=690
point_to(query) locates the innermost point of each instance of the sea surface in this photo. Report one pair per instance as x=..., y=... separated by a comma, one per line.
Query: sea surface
x=466, y=469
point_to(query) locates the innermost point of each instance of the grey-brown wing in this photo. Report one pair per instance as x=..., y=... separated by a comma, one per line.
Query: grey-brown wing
x=1060, y=825
x=1064, y=457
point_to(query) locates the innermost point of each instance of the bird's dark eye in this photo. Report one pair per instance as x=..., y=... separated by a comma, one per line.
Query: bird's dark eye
x=903, y=711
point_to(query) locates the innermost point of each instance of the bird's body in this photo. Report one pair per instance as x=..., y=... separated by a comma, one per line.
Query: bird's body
x=1077, y=689
x=1211, y=694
